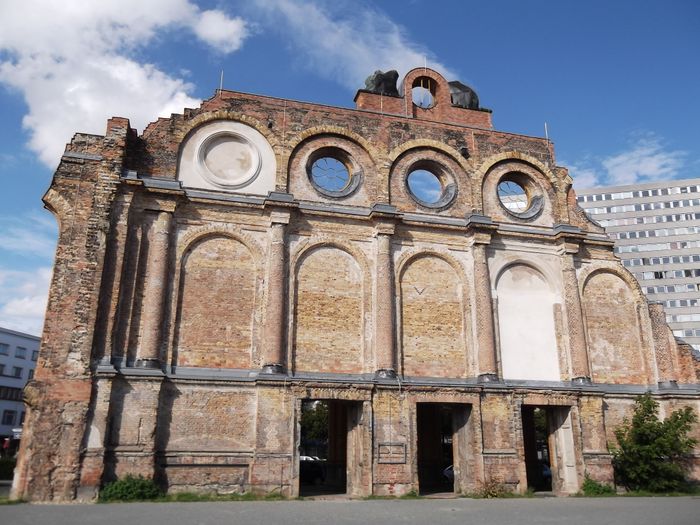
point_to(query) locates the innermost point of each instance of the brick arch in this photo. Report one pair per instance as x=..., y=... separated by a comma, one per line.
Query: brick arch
x=298, y=141
x=218, y=290
x=614, y=315
x=432, y=315
x=517, y=156
x=319, y=242
x=552, y=208
x=211, y=230
x=189, y=127
x=544, y=272
x=526, y=324
x=447, y=160
x=410, y=256
x=329, y=304
x=589, y=271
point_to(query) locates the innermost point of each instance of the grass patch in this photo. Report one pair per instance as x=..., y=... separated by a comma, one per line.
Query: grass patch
x=8, y=501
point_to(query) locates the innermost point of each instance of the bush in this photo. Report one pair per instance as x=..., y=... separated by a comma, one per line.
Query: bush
x=652, y=455
x=130, y=488
x=492, y=489
x=592, y=487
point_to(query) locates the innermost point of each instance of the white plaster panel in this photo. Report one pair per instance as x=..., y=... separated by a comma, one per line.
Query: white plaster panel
x=526, y=325
x=228, y=156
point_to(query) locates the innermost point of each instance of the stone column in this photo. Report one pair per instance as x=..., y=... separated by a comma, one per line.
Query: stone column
x=275, y=307
x=384, y=307
x=580, y=371
x=664, y=343
x=158, y=238
x=485, y=337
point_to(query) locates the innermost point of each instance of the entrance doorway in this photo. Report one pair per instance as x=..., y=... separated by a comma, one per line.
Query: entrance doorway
x=327, y=446
x=550, y=458
x=442, y=446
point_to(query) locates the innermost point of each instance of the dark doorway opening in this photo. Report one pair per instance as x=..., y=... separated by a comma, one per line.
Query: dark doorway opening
x=435, y=447
x=323, y=447
x=536, y=437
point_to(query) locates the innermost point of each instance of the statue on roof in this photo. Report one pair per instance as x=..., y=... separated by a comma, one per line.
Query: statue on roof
x=383, y=83
x=463, y=96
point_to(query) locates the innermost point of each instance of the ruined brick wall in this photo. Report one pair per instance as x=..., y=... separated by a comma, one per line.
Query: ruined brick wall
x=189, y=318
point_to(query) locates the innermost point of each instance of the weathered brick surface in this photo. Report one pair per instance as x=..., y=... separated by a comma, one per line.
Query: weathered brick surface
x=614, y=344
x=329, y=320
x=432, y=316
x=166, y=302
x=214, y=328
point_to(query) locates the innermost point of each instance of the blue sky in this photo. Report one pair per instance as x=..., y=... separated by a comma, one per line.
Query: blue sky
x=617, y=82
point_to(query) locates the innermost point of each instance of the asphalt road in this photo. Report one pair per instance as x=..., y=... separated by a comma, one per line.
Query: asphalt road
x=540, y=511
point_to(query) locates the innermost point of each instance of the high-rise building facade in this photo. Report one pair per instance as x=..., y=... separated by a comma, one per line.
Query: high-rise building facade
x=18, y=356
x=656, y=229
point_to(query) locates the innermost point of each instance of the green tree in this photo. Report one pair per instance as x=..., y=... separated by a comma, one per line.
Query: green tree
x=652, y=454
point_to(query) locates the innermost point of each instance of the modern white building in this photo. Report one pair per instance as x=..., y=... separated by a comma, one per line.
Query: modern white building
x=656, y=229
x=18, y=356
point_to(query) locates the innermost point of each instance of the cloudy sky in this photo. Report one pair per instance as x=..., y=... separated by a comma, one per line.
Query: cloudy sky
x=617, y=82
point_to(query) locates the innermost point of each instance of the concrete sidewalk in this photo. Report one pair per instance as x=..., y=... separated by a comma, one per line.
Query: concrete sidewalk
x=535, y=511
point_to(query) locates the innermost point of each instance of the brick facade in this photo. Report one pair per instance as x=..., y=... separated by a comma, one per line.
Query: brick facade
x=186, y=325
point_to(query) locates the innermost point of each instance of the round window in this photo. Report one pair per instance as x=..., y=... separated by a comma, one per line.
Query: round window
x=425, y=186
x=513, y=196
x=330, y=174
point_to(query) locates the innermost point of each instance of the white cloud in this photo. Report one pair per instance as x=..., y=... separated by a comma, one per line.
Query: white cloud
x=646, y=160
x=346, y=45
x=23, y=296
x=75, y=62
x=219, y=31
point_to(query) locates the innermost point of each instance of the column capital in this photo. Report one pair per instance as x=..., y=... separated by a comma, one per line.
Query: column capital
x=279, y=217
x=384, y=228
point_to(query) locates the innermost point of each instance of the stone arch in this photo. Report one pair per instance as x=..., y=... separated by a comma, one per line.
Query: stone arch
x=329, y=307
x=57, y=204
x=526, y=324
x=612, y=316
x=432, y=316
x=216, y=305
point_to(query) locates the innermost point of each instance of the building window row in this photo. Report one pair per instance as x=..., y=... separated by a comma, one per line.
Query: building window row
x=671, y=288
x=661, y=232
x=9, y=417
x=667, y=274
x=16, y=371
x=20, y=352
x=650, y=219
x=681, y=303
x=657, y=192
x=674, y=245
x=689, y=332
x=648, y=261
x=7, y=393
x=682, y=318
x=646, y=206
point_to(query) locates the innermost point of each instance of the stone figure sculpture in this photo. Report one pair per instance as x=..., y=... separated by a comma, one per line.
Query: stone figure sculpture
x=463, y=96
x=383, y=83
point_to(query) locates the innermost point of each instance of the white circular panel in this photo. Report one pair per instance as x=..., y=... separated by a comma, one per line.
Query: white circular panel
x=228, y=159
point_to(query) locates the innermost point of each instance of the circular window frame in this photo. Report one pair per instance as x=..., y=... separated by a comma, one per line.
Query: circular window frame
x=534, y=193
x=355, y=174
x=239, y=182
x=444, y=177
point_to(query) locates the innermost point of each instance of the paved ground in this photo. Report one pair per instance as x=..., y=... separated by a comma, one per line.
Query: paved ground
x=535, y=511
